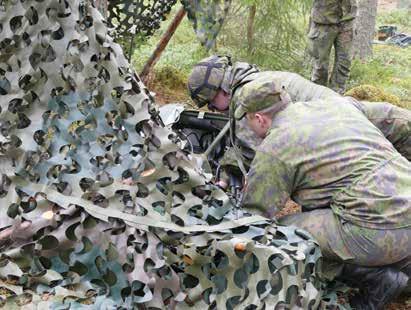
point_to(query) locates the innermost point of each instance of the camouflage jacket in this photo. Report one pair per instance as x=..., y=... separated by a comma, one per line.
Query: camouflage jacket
x=333, y=11
x=299, y=88
x=331, y=154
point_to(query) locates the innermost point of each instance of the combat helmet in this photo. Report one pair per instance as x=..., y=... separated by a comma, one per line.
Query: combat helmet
x=207, y=77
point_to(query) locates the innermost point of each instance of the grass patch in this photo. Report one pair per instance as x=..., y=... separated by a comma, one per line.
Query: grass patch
x=400, y=18
x=389, y=70
x=390, y=67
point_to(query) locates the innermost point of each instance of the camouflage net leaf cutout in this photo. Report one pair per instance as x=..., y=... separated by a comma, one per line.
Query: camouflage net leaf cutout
x=137, y=16
x=99, y=206
x=207, y=18
x=130, y=18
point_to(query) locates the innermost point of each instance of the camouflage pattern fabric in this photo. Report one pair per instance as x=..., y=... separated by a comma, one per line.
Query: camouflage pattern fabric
x=322, y=37
x=100, y=208
x=129, y=19
x=206, y=78
x=299, y=89
x=351, y=168
x=394, y=123
x=262, y=100
x=345, y=241
x=137, y=16
x=207, y=18
x=333, y=11
x=203, y=86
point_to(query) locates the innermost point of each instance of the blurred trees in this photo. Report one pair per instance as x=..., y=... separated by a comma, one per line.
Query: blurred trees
x=270, y=33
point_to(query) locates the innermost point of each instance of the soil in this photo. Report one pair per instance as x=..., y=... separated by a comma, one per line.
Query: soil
x=387, y=5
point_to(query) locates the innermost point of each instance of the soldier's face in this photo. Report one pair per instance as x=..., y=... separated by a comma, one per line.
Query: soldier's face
x=259, y=123
x=220, y=102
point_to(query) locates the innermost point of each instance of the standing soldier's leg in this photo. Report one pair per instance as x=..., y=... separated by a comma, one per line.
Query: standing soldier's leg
x=342, y=62
x=321, y=39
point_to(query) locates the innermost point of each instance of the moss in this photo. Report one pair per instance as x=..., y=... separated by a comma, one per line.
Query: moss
x=372, y=93
x=169, y=84
x=170, y=77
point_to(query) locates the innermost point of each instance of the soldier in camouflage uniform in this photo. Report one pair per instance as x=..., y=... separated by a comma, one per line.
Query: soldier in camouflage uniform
x=215, y=80
x=347, y=164
x=332, y=25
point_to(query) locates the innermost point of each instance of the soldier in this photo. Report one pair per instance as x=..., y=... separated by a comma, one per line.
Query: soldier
x=215, y=80
x=331, y=24
x=345, y=162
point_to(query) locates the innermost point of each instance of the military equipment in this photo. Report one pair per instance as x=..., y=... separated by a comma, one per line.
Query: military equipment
x=204, y=134
x=206, y=79
x=385, y=32
x=390, y=35
x=400, y=39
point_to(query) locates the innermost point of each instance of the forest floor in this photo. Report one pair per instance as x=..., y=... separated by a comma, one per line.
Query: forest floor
x=387, y=5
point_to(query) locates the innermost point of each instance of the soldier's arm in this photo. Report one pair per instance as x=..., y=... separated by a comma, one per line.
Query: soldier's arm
x=394, y=123
x=269, y=185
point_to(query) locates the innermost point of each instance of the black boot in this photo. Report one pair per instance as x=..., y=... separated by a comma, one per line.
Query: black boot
x=377, y=285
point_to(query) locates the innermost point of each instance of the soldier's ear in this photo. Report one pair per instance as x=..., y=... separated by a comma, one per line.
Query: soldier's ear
x=260, y=117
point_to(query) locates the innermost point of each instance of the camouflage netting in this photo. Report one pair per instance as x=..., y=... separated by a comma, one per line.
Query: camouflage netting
x=98, y=204
x=130, y=18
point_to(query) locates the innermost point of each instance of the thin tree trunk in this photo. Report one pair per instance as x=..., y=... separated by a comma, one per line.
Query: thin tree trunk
x=250, y=28
x=364, y=28
x=155, y=56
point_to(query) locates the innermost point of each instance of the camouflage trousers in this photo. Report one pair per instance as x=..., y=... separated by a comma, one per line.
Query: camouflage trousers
x=321, y=39
x=342, y=241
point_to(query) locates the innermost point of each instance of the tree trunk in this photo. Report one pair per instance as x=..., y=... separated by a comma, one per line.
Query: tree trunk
x=155, y=56
x=250, y=28
x=364, y=28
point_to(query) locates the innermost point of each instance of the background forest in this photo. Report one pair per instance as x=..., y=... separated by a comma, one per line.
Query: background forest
x=272, y=34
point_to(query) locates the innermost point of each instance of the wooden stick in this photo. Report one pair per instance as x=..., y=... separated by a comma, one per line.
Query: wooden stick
x=155, y=56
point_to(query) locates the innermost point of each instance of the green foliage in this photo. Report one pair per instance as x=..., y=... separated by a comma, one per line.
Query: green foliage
x=280, y=28
x=390, y=67
x=170, y=77
x=279, y=33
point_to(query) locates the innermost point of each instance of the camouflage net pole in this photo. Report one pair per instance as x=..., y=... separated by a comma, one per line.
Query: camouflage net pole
x=162, y=44
x=98, y=204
